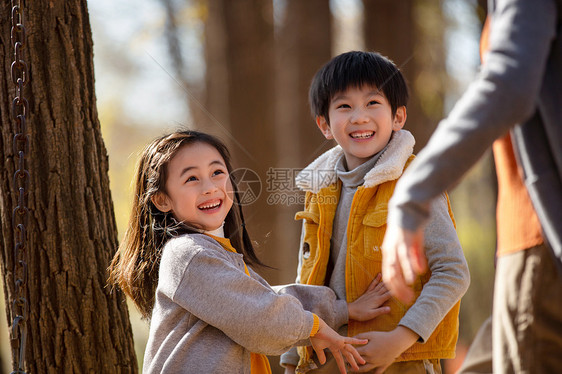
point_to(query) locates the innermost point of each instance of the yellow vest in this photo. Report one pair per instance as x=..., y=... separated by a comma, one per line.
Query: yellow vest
x=365, y=233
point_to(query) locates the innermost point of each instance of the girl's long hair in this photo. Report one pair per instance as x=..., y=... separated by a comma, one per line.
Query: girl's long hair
x=135, y=266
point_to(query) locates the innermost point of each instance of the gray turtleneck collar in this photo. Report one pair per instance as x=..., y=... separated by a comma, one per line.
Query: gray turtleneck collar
x=356, y=177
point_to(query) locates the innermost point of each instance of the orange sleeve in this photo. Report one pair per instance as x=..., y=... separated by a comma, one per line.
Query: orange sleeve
x=315, y=325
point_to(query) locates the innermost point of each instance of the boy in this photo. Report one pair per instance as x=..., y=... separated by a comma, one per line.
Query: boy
x=359, y=100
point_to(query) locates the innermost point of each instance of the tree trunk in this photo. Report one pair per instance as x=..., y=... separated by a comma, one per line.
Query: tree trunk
x=303, y=45
x=214, y=114
x=411, y=34
x=474, y=201
x=75, y=324
x=1, y=362
x=240, y=98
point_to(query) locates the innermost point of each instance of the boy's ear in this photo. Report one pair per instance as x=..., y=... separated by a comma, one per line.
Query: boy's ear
x=161, y=201
x=324, y=127
x=399, y=118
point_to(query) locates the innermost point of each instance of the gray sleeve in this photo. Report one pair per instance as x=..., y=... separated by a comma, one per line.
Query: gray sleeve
x=503, y=95
x=449, y=279
x=291, y=357
x=319, y=300
x=215, y=289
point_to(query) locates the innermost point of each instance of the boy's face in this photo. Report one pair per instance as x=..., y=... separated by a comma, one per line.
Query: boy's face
x=361, y=122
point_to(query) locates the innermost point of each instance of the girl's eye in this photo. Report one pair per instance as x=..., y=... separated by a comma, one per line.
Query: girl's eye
x=219, y=171
x=373, y=102
x=191, y=179
x=344, y=106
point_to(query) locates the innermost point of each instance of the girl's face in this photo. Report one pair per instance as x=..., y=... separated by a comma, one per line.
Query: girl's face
x=198, y=189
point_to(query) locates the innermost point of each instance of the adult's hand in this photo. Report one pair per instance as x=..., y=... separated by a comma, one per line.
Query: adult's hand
x=402, y=261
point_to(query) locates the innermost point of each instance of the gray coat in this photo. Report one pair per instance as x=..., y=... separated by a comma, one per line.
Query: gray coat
x=538, y=142
x=519, y=88
x=209, y=315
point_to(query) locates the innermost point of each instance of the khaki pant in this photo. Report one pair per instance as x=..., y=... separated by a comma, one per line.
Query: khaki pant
x=526, y=329
x=415, y=367
x=527, y=325
x=405, y=367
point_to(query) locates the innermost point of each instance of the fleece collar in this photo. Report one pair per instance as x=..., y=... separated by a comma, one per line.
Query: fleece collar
x=321, y=172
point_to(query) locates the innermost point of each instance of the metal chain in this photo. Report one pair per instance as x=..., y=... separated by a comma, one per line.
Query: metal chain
x=20, y=215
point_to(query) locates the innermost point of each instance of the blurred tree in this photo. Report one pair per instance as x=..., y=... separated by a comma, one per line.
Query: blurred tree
x=411, y=33
x=239, y=45
x=173, y=41
x=474, y=202
x=215, y=101
x=303, y=44
x=75, y=324
x=173, y=34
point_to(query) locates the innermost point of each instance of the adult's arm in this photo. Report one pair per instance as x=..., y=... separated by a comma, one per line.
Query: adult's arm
x=503, y=95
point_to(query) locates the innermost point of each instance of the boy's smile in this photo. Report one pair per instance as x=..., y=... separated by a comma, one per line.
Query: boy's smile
x=362, y=134
x=361, y=122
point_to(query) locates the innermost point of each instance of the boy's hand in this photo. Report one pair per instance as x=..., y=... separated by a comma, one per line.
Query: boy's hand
x=402, y=260
x=368, y=305
x=384, y=347
x=340, y=347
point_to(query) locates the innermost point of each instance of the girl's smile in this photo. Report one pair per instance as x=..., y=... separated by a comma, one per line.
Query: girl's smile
x=211, y=206
x=198, y=189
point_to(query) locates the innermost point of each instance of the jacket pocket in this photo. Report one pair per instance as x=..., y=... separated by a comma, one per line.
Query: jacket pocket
x=374, y=227
x=374, y=224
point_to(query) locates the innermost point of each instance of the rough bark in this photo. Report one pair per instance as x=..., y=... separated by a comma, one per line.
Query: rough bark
x=76, y=325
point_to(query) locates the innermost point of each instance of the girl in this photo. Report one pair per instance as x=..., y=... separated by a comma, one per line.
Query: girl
x=183, y=263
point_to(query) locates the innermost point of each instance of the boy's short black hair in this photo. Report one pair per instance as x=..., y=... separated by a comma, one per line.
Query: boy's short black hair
x=355, y=69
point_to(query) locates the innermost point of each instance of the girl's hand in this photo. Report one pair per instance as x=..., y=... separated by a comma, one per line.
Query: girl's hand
x=368, y=305
x=340, y=347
